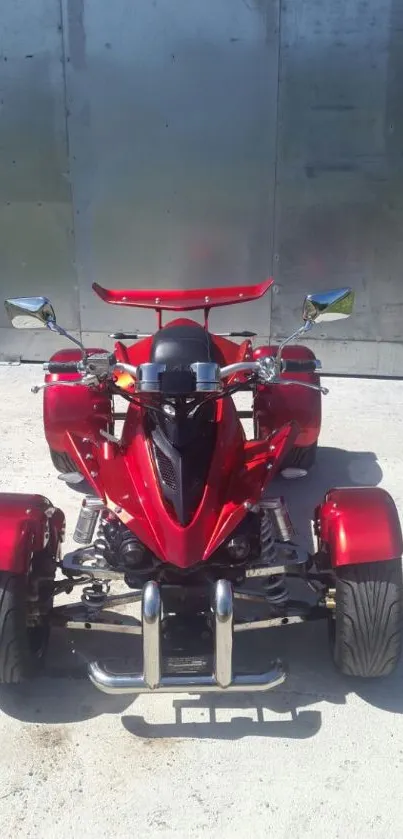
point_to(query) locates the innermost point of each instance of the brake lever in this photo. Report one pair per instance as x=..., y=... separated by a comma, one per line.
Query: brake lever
x=310, y=386
x=86, y=381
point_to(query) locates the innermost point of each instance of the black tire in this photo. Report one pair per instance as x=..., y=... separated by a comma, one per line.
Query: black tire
x=367, y=625
x=21, y=648
x=63, y=465
x=62, y=462
x=301, y=457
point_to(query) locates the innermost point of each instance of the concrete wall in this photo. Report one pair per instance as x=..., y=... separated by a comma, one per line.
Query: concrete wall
x=164, y=143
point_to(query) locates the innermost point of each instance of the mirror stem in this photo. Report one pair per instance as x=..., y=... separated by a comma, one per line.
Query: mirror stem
x=305, y=328
x=54, y=327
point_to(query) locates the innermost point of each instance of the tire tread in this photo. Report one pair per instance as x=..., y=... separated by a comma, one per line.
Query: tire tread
x=15, y=659
x=368, y=621
x=62, y=462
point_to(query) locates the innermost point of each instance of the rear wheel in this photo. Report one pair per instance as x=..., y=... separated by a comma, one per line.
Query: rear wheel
x=366, y=627
x=301, y=457
x=22, y=647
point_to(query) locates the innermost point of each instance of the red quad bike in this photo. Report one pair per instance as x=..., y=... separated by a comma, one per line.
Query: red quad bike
x=180, y=508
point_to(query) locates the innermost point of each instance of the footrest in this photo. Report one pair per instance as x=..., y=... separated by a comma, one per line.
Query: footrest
x=152, y=680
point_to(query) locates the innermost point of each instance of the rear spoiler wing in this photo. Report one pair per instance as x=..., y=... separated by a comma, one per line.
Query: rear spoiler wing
x=183, y=300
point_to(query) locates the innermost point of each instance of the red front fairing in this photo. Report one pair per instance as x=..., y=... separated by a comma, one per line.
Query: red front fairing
x=127, y=479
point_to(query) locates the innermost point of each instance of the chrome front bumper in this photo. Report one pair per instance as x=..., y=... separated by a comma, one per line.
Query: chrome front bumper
x=152, y=678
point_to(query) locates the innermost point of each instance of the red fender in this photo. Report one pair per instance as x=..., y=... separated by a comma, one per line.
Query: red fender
x=357, y=525
x=81, y=410
x=28, y=524
x=275, y=405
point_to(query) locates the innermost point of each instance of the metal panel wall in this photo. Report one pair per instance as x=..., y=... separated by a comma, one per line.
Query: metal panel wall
x=172, y=114
x=36, y=241
x=339, y=198
x=140, y=145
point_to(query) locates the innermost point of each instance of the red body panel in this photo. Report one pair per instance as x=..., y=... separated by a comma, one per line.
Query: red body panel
x=126, y=478
x=138, y=353
x=230, y=352
x=78, y=410
x=28, y=524
x=357, y=525
x=276, y=405
x=183, y=300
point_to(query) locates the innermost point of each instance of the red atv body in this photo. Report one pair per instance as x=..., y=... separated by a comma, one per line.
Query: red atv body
x=181, y=502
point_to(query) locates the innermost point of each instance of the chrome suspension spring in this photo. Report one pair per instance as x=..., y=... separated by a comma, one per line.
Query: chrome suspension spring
x=100, y=543
x=275, y=587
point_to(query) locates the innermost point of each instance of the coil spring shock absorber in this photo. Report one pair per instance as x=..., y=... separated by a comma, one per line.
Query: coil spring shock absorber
x=101, y=542
x=275, y=522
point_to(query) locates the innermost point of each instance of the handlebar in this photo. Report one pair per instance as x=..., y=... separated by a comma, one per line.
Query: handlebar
x=63, y=367
x=295, y=365
x=287, y=366
x=100, y=367
x=239, y=367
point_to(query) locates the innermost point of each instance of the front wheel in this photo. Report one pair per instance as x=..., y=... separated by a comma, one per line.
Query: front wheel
x=366, y=627
x=22, y=647
x=301, y=457
x=65, y=465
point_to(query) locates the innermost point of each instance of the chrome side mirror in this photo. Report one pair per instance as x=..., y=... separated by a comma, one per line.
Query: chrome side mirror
x=30, y=312
x=36, y=313
x=328, y=305
x=323, y=306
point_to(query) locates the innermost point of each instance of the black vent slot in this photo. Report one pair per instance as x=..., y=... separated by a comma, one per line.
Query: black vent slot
x=165, y=468
x=183, y=470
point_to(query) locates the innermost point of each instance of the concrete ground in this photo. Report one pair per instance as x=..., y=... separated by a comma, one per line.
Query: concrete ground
x=320, y=756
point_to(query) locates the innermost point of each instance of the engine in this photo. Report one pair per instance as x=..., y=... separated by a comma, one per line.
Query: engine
x=117, y=546
x=253, y=541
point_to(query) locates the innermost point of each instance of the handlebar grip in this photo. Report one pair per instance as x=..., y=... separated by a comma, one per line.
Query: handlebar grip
x=62, y=367
x=294, y=365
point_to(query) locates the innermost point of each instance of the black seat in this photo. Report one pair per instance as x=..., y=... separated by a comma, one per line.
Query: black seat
x=181, y=345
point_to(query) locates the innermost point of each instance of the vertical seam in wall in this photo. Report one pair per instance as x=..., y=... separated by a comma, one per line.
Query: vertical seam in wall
x=67, y=135
x=276, y=144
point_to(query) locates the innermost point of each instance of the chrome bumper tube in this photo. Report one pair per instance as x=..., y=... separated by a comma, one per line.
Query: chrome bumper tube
x=153, y=681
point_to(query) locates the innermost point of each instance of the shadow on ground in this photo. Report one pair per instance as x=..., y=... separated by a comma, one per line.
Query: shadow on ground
x=333, y=468
x=64, y=693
